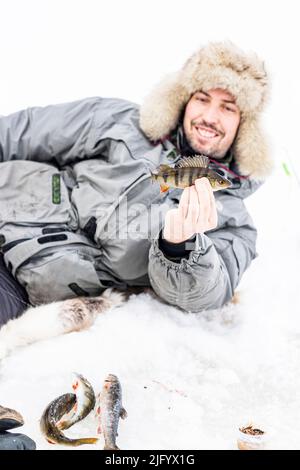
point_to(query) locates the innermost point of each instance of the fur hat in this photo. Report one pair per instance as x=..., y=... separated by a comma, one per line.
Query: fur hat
x=217, y=65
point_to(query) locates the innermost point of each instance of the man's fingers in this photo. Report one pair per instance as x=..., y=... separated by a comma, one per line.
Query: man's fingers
x=172, y=228
x=213, y=216
x=184, y=202
x=197, y=206
x=202, y=187
x=194, y=207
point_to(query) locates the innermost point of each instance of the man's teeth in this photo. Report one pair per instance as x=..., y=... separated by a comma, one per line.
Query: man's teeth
x=206, y=133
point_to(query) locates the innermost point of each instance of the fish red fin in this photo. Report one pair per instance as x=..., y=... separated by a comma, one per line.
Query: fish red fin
x=75, y=385
x=50, y=442
x=164, y=188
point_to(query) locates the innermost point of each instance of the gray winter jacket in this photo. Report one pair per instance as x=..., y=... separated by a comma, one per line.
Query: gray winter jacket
x=79, y=213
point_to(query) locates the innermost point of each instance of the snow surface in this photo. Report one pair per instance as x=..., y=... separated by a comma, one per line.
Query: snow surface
x=189, y=380
x=206, y=374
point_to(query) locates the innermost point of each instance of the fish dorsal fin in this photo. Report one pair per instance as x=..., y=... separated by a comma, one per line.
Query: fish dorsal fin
x=195, y=161
x=163, y=167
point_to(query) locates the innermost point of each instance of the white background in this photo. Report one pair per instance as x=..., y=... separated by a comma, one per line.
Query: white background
x=235, y=365
x=60, y=50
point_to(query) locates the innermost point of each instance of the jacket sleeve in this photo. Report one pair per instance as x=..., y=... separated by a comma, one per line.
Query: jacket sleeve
x=208, y=277
x=61, y=133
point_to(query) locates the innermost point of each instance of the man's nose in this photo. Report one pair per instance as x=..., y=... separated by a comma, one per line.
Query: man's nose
x=211, y=114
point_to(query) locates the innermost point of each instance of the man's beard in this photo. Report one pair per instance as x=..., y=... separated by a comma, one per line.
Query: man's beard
x=213, y=152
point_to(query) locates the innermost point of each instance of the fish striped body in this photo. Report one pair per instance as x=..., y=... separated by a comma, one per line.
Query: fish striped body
x=185, y=173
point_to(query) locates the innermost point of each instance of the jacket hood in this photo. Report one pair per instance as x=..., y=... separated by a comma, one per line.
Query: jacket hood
x=217, y=65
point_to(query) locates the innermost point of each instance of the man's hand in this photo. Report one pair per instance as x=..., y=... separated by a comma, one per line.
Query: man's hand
x=196, y=213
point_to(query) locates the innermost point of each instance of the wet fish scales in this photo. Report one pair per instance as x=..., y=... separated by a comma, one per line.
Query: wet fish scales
x=186, y=171
x=85, y=402
x=109, y=409
x=52, y=414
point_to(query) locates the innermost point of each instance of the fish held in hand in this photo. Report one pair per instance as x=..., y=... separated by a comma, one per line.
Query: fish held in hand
x=109, y=410
x=185, y=173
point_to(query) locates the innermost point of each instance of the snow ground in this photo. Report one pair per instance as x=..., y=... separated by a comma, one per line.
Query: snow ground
x=189, y=380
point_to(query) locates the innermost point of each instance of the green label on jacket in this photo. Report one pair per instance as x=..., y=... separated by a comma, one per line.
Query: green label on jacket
x=56, y=195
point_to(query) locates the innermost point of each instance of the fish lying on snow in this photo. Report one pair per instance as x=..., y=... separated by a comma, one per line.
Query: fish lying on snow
x=67, y=410
x=109, y=409
x=85, y=402
x=186, y=171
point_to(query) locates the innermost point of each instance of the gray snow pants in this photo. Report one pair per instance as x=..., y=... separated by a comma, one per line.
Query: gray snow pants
x=13, y=297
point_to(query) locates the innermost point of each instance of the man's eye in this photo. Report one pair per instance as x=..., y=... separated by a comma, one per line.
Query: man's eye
x=203, y=100
x=231, y=110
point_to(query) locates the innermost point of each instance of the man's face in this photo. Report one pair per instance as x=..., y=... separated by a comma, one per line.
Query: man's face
x=211, y=121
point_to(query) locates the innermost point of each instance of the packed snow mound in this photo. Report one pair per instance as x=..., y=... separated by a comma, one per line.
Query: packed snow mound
x=189, y=380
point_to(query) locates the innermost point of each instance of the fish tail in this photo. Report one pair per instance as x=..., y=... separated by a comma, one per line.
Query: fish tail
x=85, y=440
x=63, y=440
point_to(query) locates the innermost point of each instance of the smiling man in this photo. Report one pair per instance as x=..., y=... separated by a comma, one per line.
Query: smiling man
x=211, y=106
x=211, y=121
x=79, y=213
